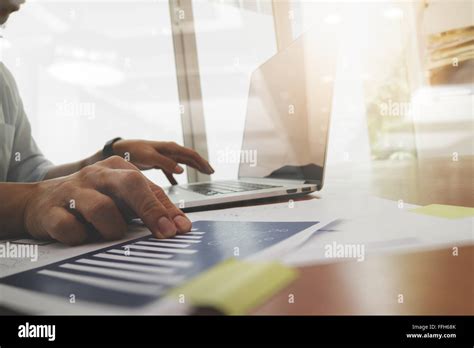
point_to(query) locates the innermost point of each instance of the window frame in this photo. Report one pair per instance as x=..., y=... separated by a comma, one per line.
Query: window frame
x=188, y=71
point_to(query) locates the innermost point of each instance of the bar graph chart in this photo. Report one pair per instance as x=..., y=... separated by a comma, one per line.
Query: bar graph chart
x=137, y=272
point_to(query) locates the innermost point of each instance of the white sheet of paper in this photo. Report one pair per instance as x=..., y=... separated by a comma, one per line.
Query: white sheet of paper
x=388, y=230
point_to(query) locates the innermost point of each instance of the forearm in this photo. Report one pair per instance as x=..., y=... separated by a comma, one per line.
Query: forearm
x=13, y=200
x=70, y=168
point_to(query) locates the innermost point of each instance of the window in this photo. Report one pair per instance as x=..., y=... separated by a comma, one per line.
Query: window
x=89, y=71
x=233, y=38
x=375, y=69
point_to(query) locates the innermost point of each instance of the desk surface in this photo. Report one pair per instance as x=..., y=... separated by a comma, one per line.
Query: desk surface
x=425, y=181
x=431, y=282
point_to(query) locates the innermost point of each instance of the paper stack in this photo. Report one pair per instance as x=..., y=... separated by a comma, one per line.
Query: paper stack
x=450, y=49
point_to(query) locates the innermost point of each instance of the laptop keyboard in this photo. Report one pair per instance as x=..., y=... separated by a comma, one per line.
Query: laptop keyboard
x=223, y=187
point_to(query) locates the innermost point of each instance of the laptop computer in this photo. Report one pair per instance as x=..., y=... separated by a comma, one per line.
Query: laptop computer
x=286, y=128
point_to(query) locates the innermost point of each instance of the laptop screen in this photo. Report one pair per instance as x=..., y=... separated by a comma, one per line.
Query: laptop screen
x=289, y=105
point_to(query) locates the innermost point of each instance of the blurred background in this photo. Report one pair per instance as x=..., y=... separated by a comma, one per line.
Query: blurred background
x=89, y=71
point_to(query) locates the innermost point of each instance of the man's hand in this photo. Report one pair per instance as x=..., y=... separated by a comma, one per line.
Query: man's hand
x=161, y=155
x=99, y=199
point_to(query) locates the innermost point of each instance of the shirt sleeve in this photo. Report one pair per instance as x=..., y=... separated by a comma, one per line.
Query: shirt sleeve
x=27, y=163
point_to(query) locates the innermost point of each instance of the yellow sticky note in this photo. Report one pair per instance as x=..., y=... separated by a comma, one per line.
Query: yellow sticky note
x=234, y=286
x=445, y=211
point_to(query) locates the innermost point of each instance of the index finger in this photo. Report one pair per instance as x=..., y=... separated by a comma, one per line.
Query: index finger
x=187, y=156
x=171, y=178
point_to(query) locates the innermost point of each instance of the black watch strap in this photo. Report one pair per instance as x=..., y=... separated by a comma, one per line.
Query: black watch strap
x=108, y=151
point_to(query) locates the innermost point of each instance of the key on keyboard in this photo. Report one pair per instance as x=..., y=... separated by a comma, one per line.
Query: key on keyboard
x=223, y=187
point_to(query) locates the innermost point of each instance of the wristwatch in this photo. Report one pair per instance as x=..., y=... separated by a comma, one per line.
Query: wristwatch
x=108, y=151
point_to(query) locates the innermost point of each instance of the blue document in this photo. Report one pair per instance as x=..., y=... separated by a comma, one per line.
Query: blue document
x=137, y=272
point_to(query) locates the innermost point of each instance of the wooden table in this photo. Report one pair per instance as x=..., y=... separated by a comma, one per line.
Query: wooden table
x=425, y=181
x=431, y=282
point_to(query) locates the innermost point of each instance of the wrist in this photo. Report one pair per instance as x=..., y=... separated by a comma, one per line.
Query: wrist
x=116, y=148
x=98, y=156
x=108, y=149
x=31, y=191
x=14, y=207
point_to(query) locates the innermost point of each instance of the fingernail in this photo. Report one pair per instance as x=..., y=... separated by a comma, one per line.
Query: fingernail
x=183, y=223
x=178, y=169
x=211, y=170
x=167, y=228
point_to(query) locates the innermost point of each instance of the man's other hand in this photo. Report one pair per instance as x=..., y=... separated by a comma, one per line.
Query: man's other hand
x=161, y=155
